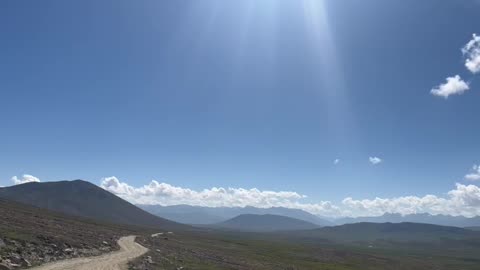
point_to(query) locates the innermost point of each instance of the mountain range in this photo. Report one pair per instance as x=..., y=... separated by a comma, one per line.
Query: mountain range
x=82, y=198
x=199, y=215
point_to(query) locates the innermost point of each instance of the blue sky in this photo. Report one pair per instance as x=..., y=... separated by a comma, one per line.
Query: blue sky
x=242, y=94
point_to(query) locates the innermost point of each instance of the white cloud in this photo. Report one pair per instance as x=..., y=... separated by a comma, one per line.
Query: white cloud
x=475, y=175
x=472, y=54
x=166, y=194
x=454, y=86
x=26, y=178
x=463, y=200
x=336, y=161
x=375, y=160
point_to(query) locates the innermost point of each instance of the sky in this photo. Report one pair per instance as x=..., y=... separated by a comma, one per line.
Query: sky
x=334, y=107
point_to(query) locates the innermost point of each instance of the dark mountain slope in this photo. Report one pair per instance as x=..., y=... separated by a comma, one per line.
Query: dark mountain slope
x=401, y=232
x=81, y=198
x=443, y=220
x=265, y=223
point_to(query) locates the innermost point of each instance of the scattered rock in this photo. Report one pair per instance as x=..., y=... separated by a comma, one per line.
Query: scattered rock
x=15, y=258
x=25, y=263
x=11, y=242
x=149, y=260
x=21, y=254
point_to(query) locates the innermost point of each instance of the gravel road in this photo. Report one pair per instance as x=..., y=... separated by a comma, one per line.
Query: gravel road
x=116, y=260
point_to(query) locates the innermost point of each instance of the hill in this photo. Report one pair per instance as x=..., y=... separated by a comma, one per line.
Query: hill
x=265, y=223
x=210, y=215
x=396, y=232
x=443, y=220
x=31, y=235
x=81, y=198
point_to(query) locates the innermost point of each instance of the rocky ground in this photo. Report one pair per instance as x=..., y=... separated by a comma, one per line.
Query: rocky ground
x=205, y=250
x=30, y=236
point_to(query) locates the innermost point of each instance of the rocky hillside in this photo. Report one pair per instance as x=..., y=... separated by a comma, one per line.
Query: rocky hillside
x=31, y=236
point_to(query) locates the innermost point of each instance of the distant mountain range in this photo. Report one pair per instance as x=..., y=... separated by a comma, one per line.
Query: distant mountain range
x=81, y=198
x=444, y=220
x=264, y=223
x=85, y=199
x=199, y=215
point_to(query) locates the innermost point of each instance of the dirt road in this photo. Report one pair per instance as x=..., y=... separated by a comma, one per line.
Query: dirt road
x=111, y=261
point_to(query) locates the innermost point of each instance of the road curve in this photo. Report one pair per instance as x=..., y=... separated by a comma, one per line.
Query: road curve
x=116, y=260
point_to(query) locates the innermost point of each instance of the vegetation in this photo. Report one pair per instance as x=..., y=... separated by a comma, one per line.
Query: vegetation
x=235, y=250
x=33, y=235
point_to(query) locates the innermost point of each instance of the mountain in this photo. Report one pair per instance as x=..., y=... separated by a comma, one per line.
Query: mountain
x=444, y=220
x=187, y=214
x=81, y=198
x=397, y=232
x=265, y=223
x=210, y=215
x=473, y=228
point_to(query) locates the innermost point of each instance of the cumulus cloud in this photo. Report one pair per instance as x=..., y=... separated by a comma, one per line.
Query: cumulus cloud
x=166, y=194
x=26, y=178
x=475, y=174
x=471, y=51
x=454, y=86
x=336, y=161
x=375, y=160
x=463, y=200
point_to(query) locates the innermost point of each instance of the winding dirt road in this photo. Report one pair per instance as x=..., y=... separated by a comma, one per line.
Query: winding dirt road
x=117, y=260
